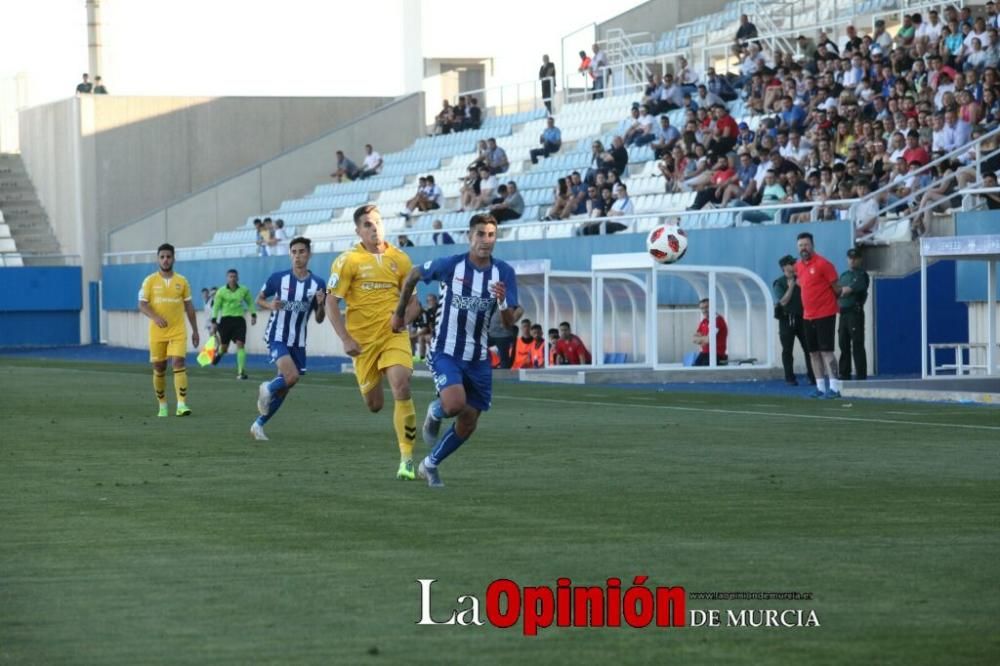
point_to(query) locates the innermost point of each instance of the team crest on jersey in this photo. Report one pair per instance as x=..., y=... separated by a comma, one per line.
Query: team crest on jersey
x=332, y=282
x=427, y=265
x=393, y=266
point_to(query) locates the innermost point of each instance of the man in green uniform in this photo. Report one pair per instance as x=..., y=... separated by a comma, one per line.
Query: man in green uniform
x=853, y=284
x=231, y=301
x=791, y=325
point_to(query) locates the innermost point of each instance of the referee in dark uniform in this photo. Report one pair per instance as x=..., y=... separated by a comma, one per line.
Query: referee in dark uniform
x=853, y=283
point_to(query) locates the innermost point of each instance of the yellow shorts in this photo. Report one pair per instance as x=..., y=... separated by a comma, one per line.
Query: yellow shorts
x=376, y=357
x=159, y=350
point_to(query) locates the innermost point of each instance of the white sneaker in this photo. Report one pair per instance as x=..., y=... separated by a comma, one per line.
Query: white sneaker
x=263, y=399
x=257, y=430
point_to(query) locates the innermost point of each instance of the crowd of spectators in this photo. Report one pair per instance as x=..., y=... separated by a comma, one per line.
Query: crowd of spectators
x=271, y=237
x=835, y=121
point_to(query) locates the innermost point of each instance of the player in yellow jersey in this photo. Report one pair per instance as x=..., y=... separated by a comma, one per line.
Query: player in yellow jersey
x=165, y=297
x=368, y=278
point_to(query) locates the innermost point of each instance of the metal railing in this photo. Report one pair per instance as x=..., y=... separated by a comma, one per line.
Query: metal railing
x=509, y=98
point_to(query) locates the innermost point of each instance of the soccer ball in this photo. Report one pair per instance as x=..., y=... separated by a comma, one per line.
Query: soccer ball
x=667, y=243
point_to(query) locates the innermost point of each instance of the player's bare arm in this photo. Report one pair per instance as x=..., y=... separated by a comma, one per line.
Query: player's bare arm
x=351, y=346
x=507, y=315
x=193, y=320
x=265, y=304
x=149, y=312
x=320, y=306
x=402, y=316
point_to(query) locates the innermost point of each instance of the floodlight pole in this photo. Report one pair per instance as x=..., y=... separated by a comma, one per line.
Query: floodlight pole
x=94, y=37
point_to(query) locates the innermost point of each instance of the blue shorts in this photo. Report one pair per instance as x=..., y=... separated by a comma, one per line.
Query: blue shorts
x=475, y=376
x=278, y=349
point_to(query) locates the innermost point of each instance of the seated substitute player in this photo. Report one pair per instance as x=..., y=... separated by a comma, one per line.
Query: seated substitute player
x=165, y=297
x=368, y=278
x=231, y=301
x=473, y=285
x=290, y=296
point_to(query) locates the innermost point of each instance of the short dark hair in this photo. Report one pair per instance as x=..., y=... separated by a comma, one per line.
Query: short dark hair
x=232, y=270
x=362, y=210
x=553, y=331
x=805, y=234
x=704, y=300
x=482, y=218
x=566, y=324
x=502, y=189
x=787, y=260
x=165, y=246
x=256, y=220
x=430, y=179
x=536, y=327
x=301, y=240
x=525, y=321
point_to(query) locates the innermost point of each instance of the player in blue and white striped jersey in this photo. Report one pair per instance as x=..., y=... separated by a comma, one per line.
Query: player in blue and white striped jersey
x=291, y=296
x=473, y=286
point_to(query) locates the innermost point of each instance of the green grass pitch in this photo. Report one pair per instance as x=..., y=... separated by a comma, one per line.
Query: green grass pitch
x=127, y=539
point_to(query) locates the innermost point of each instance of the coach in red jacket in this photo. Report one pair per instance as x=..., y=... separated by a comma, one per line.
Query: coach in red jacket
x=817, y=280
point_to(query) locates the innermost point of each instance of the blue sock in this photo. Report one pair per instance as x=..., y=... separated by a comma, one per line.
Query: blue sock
x=446, y=446
x=272, y=408
x=437, y=410
x=276, y=384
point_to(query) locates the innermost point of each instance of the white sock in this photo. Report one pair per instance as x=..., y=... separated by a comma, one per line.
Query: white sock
x=835, y=385
x=428, y=463
x=821, y=384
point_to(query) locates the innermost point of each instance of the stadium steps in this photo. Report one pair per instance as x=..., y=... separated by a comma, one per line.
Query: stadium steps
x=29, y=224
x=902, y=259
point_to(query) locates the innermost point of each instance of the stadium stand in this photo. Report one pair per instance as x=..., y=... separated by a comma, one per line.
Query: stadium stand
x=951, y=106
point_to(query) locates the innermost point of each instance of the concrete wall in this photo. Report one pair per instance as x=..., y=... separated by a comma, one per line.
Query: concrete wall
x=226, y=205
x=657, y=16
x=99, y=163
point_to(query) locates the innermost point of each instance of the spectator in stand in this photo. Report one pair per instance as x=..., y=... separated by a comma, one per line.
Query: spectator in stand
x=665, y=136
x=428, y=197
x=723, y=176
x=915, y=154
x=470, y=188
x=701, y=337
x=744, y=187
x=99, y=88
x=550, y=138
x=85, y=86
x=488, y=185
x=440, y=237
x=595, y=203
x=560, y=204
x=404, y=241
x=773, y=193
x=584, y=69
x=512, y=206
x=279, y=240
x=346, y=169
x=473, y=115
x=686, y=76
x=719, y=86
x=547, y=75
x=630, y=124
x=372, y=164
x=496, y=158
x=522, y=346
x=725, y=131
x=643, y=132
x=619, y=156
x=443, y=120
x=570, y=349
x=599, y=71
x=746, y=31
x=706, y=98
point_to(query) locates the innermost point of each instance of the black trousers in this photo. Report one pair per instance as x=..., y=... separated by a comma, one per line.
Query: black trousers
x=851, y=336
x=546, y=150
x=791, y=329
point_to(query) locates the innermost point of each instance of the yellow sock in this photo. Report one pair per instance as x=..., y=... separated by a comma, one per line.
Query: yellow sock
x=181, y=385
x=160, y=386
x=404, y=419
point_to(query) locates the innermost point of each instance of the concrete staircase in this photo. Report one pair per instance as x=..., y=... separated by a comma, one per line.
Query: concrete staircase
x=902, y=259
x=23, y=213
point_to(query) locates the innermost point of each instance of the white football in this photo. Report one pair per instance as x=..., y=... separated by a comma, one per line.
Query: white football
x=667, y=243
